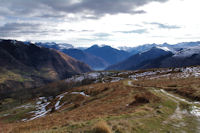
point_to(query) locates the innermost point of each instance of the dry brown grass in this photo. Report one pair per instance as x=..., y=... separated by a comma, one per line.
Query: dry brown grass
x=108, y=99
x=101, y=127
x=144, y=98
x=187, y=87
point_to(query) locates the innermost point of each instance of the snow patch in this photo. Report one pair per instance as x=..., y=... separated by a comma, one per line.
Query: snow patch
x=138, y=75
x=14, y=42
x=81, y=93
x=130, y=83
x=164, y=48
x=195, y=111
x=59, y=97
x=94, y=75
x=41, y=111
x=189, y=72
x=57, y=105
x=188, y=52
x=26, y=106
x=6, y=115
x=116, y=79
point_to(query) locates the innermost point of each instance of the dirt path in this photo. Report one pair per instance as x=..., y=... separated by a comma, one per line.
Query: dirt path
x=180, y=114
x=194, y=111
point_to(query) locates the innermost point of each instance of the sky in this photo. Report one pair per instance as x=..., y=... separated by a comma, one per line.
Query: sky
x=112, y=22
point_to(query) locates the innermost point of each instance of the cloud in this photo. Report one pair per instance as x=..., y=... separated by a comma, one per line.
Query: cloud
x=17, y=29
x=81, y=31
x=101, y=35
x=26, y=29
x=88, y=9
x=138, y=31
x=165, y=26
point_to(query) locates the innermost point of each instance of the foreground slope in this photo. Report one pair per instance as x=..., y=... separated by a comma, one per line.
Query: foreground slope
x=157, y=100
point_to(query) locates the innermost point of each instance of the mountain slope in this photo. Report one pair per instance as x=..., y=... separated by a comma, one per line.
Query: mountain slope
x=96, y=63
x=145, y=47
x=54, y=45
x=133, y=62
x=108, y=53
x=161, y=57
x=93, y=61
x=142, y=48
x=25, y=66
x=184, y=57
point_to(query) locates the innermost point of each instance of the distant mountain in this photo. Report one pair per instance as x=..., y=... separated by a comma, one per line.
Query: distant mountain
x=93, y=61
x=25, y=66
x=182, y=58
x=58, y=46
x=145, y=47
x=141, y=48
x=109, y=54
x=186, y=44
x=161, y=57
x=135, y=62
x=99, y=57
x=96, y=63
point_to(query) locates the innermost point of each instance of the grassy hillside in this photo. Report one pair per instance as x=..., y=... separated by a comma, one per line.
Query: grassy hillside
x=156, y=100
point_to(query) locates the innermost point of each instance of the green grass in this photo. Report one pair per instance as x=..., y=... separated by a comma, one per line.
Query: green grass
x=18, y=115
x=14, y=75
x=11, y=108
x=142, y=121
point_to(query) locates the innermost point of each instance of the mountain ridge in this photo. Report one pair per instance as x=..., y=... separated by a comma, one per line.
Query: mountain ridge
x=109, y=54
x=29, y=66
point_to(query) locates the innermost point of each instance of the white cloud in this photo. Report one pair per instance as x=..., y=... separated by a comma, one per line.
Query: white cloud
x=173, y=21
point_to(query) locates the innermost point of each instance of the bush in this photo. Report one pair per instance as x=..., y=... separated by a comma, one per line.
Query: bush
x=172, y=85
x=101, y=127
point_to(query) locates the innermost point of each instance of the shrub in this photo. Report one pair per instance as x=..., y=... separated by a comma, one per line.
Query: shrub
x=101, y=127
x=172, y=85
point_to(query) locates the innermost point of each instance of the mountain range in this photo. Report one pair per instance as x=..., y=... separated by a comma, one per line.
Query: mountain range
x=137, y=61
x=145, y=47
x=97, y=57
x=161, y=57
x=132, y=58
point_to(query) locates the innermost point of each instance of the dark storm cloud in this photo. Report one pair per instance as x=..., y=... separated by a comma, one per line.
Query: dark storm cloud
x=165, y=26
x=138, y=31
x=60, y=8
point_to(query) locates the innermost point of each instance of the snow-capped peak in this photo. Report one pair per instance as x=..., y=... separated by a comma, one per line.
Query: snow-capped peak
x=163, y=48
x=188, y=52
